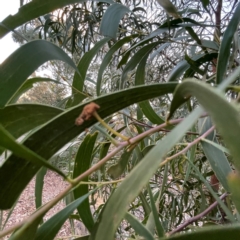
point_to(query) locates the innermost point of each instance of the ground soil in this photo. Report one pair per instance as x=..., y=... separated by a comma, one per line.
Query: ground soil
x=53, y=184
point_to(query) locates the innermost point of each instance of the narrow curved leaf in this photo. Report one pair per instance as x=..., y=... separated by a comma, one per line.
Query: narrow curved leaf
x=234, y=181
x=145, y=204
x=82, y=238
x=185, y=66
x=210, y=98
x=164, y=28
x=205, y=3
x=28, y=85
x=196, y=62
x=108, y=58
x=39, y=186
x=169, y=8
x=82, y=163
x=83, y=65
x=216, y=145
x=33, y=10
x=215, y=156
x=17, y=68
x=179, y=69
x=226, y=45
x=194, y=67
x=134, y=61
x=210, y=44
x=193, y=35
x=189, y=11
x=113, y=15
x=200, y=176
x=140, y=80
x=150, y=113
x=47, y=140
x=155, y=213
x=21, y=118
x=8, y=142
x=116, y=170
x=210, y=233
x=138, y=227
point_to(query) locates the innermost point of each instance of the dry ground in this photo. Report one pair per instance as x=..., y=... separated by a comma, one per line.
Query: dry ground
x=53, y=184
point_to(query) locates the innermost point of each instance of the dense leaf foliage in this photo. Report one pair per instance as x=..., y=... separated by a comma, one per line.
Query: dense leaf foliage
x=144, y=102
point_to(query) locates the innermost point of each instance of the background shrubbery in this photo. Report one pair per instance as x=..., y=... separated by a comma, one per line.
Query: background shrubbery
x=165, y=75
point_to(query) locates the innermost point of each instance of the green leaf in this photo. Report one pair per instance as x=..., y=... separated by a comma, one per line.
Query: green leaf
x=113, y=15
x=169, y=8
x=194, y=67
x=209, y=98
x=16, y=68
x=210, y=233
x=117, y=205
x=145, y=106
x=39, y=186
x=228, y=212
x=82, y=238
x=116, y=170
x=145, y=204
x=51, y=137
x=33, y=10
x=216, y=145
x=8, y=142
x=103, y=152
x=230, y=79
x=138, y=227
x=215, y=156
x=164, y=28
x=205, y=3
x=210, y=44
x=178, y=70
x=83, y=65
x=225, y=47
x=106, y=60
x=158, y=225
x=82, y=163
x=184, y=65
x=190, y=11
x=28, y=85
x=21, y=118
x=51, y=227
x=134, y=61
x=193, y=35
x=191, y=156
x=234, y=181
x=150, y=113
x=196, y=62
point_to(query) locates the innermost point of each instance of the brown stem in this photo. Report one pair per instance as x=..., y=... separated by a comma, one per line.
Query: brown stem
x=197, y=217
x=188, y=146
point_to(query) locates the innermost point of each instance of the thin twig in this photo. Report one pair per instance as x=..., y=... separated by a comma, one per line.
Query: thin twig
x=188, y=146
x=197, y=217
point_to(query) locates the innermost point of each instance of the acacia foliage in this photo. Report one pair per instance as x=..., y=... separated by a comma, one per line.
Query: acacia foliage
x=162, y=170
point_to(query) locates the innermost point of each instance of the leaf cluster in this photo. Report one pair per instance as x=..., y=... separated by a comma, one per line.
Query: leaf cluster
x=160, y=145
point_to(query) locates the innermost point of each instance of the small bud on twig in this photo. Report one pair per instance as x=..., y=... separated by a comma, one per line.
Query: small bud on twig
x=87, y=113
